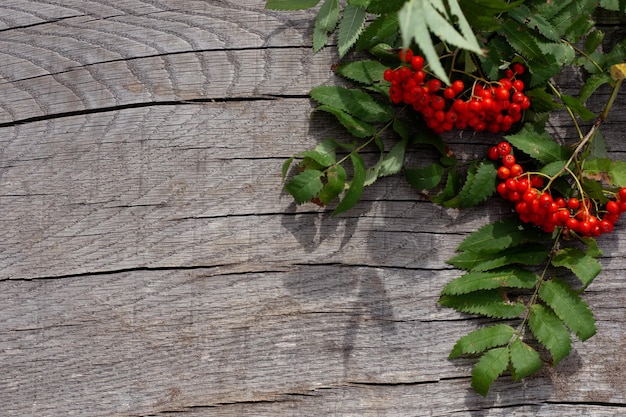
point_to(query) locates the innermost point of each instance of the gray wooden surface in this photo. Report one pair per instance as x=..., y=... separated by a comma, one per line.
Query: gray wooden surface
x=151, y=265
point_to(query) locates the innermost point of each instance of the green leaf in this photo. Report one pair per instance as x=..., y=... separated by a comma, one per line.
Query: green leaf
x=356, y=185
x=583, y=266
x=359, y=3
x=356, y=127
x=526, y=254
x=481, y=187
x=419, y=18
x=490, y=366
x=524, y=360
x=350, y=27
x=488, y=303
x=550, y=332
x=554, y=168
x=577, y=107
x=613, y=171
x=425, y=178
x=499, y=235
x=355, y=102
x=594, y=82
x=323, y=154
x=536, y=21
x=538, y=145
x=365, y=72
x=325, y=23
x=482, y=339
x=286, y=166
x=381, y=29
x=523, y=41
x=593, y=40
x=394, y=159
x=385, y=6
x=290, y=4
x=474, y=281
x=453, y=184
x=569, y=307
x=481, y=14
x=306, y=185
x=335, y=181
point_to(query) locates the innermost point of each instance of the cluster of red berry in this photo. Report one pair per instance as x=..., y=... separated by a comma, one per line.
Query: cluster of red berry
x=536, y=205
x=491, y=106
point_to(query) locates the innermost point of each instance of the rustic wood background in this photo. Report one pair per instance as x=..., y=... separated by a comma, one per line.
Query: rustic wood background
x=151, y=265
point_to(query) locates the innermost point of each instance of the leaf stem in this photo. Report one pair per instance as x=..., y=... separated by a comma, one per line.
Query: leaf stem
x=569, y=111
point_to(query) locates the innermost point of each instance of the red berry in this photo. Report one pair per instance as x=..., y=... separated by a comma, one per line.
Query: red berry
x=434, y=85
x=612, y=207
x=504, y=173
x=536, y=181
x=449, y=93
x=522, y=185
x=458, y=86
x=516, y=170
x=502, y=94
x=511, y=184
x=508, y=160
x=572, y=223
x=606, y=226
x=563, y=216
x=573, y=203
x=388, y=75
x=519, y=68
x=504, y=148
x=406, y=55
x=622, y=194
x=417, y=62
x=530, y=195
x=518, y=85
x=493, y=153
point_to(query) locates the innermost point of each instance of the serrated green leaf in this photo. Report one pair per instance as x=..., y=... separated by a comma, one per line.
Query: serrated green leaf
x=305, y=185
x=476, y=187
x=577, y=107
x=560, y=53
x=323, y=158
x=489, y=303
x=418, y=18
x=365, y=72
x=481, y=14
x=594, y=190
x=539, y=145
x=335, y=181
x=381, y=29
x=523, y=41
x=542, y=100
x=474, y=281
x=350, y=27
x=593, y=249
x=394, y=159
x=525, y=360
x=325, y=23
x=290, y=4
x=355, y=189
x=579, y=23
x=490, y=366
x=582, y=265
x=522, y=14
x=356, y=102
x=356, y=127
x=526, y=254
x=594, y=82
x=482, y=339
x=569, y=307
x=550, y=332
x=286, y=166
x=481, y=187
x=499, y=235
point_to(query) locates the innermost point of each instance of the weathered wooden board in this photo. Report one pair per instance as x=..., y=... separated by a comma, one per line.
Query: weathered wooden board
x=151, y=264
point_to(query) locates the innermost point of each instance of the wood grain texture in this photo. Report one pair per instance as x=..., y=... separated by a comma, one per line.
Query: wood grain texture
x=151, y=264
